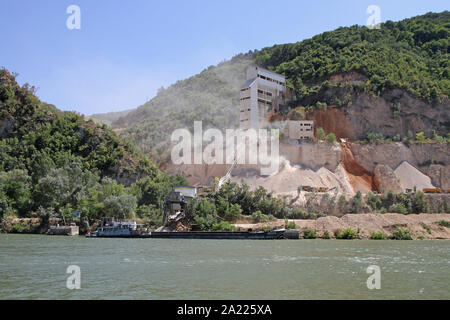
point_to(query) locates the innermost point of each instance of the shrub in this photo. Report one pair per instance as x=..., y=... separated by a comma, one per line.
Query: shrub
x=291, y=225
x=320, y=133
x=443, y=223
x=309, y=234
x=427, y=228
x=378, y=235
x=224, y=226
x=401, y=234
x=326, y=235
x=375, y=137
x=257, y=216
x=373, y=201
x=382, y=210
x=420, y=203
x=357, y=203
x=331, y=137
x=398, y=208
x=18, y=227
x=347, y=233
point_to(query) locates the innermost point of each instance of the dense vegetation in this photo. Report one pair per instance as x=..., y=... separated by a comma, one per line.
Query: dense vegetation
x=53, y=163
x=412, y=55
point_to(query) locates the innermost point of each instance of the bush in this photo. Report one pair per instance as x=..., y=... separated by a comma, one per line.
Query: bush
x=357, y=203
x=378, y=235
x=398, y=208
x=18, y=228
x=401, y=234
x=420, y=203
x=309, y=234
x=373, y=201
x=331, y=137
x=224, y=226
x=320, y=134
x=375, y=137
x=443, y=223
x=205, y=223
x=257, y=216
x=427, y=228
x=290, y=225
x=326, y=235
x=347, y=233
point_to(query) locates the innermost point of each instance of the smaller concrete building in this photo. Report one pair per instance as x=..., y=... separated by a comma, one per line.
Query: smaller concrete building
x=187, y=191
x=300, y=129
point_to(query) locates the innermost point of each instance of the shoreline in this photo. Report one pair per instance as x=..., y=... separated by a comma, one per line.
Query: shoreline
x=421, y=226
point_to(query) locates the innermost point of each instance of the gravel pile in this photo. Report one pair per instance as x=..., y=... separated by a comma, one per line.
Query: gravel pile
x=410, y=177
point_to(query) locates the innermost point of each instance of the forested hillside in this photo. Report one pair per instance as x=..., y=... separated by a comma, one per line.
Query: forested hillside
x=54, y=162
x=412, y=55
x=109, y=117
x=332, y=68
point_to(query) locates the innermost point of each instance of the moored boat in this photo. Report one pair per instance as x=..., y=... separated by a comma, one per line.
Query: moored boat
x=117, y=229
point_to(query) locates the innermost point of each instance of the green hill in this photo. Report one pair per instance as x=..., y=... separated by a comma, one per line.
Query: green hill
x=54, y=162
x=411, y=55
x=109, y=117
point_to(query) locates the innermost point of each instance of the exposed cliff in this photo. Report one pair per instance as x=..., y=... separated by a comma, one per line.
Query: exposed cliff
x=392, y=113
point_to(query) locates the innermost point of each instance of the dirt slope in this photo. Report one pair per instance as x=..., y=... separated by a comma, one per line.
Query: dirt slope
x=416, y=223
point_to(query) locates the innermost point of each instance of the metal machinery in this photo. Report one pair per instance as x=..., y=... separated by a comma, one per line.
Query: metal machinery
x=175, y=209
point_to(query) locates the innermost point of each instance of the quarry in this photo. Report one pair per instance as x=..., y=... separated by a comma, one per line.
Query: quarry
x=344, y=166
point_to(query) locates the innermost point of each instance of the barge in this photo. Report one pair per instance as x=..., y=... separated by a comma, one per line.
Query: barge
x=111, y=229
x=246, y=235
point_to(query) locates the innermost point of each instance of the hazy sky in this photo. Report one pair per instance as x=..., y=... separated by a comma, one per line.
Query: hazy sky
x=126, y=50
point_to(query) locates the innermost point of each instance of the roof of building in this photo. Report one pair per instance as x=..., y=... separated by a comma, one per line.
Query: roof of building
x=248, y=83
x=270, y=72
x=184, y=186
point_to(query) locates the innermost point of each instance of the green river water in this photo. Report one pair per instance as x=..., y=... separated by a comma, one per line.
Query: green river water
x=34, y=267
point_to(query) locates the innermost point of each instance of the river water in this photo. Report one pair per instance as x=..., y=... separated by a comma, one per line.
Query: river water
x=34, y=267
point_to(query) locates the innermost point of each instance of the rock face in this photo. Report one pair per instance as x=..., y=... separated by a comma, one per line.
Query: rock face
x=313, y=155
x=432, y=159
x=440, y=175
x=386, y=179
x=394, y=112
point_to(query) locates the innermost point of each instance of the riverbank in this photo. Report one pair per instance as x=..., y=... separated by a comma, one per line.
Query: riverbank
x=421, y=226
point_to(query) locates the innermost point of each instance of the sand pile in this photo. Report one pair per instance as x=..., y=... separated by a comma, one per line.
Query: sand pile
x=409, y=177
x=289, y=178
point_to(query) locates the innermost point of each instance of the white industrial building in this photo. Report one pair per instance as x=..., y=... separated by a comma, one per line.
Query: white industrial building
x=300, y=129
x=260, y=95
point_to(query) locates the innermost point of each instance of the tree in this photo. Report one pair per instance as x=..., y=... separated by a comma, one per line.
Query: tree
x=15, y=192
x=420, y=137
x=65, y=186
x=331, y=137
x=373, y=201
x=122, y=206
x=420, y=203
x=320, y=134
x=357, y=203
